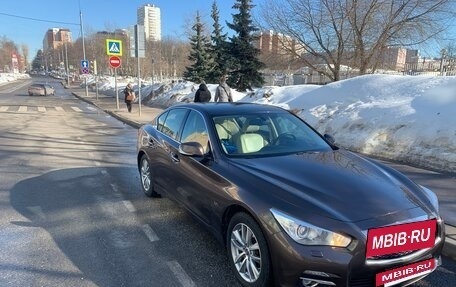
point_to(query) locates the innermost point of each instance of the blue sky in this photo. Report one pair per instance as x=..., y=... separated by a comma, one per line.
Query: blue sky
x=98, y=15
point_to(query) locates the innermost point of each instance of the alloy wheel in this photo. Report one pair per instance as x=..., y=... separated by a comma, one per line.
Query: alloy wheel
x=246, y=253
x=145, y=174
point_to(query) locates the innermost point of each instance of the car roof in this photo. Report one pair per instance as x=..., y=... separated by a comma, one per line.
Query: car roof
x=217, y=109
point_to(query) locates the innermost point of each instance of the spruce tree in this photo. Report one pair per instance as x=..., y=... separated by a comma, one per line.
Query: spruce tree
x=219, y=49
x=199, y=54
x=245, y=72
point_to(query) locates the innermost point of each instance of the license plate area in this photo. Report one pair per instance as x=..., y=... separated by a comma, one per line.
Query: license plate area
x=401, y=238
x=405, y=273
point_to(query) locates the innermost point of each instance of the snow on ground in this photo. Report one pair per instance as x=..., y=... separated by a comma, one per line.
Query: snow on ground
x=9, y=77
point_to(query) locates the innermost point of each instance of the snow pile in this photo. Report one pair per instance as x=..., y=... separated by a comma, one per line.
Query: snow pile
x=406, y=118
x=9, y=77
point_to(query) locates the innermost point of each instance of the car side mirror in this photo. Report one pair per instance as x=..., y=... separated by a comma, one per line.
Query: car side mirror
x=191, y=149
x=330, y=139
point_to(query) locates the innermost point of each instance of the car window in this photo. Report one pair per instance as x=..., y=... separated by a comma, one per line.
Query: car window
x=173, y=122
x=195, y=130
x=269, y=134
x=160, y=121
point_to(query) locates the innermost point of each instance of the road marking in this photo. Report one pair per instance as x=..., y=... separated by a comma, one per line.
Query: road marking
x=150, y=233
x=59, y=109
x=180, y=274
x=76, y=109
x=130, y=207
x=41, y=109
x=22, y=109
x=3, y=109
x=104, y=172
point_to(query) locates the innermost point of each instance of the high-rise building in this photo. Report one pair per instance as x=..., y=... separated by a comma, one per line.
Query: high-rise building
x=149, y=16
x=56, y=37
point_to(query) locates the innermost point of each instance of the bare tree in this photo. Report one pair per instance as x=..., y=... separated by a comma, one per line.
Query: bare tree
x=354, y=32
x=319, y=27
x=379, y=24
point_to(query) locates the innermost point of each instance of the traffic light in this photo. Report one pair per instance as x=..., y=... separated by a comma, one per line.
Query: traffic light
x=93, y=66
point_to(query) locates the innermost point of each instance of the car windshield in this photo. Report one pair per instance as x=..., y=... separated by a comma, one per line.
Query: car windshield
x=266, y=134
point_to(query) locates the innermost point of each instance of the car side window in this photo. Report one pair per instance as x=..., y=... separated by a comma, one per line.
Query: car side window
x=160, y=121
x=173, y=122
x=195, y=130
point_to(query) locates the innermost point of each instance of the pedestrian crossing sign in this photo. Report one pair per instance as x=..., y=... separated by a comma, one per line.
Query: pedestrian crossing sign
x=113, y=47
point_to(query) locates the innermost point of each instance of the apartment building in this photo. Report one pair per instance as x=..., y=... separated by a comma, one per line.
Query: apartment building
x=149, y=16
x=272, y=43
x=56, y=37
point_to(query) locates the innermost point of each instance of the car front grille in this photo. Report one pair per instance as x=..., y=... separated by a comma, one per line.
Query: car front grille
x=392, y=255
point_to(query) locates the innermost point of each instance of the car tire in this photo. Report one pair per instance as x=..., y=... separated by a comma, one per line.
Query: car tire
x=246, y=242
x=145, y=175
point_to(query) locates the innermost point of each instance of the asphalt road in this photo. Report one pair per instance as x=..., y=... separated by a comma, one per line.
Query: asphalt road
x=73, y=213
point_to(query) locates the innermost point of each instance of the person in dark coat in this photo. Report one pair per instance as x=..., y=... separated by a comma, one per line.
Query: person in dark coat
x=128, y=92
x=202, y=95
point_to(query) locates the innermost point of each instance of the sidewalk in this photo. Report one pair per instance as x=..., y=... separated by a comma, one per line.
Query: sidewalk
x=109, y=105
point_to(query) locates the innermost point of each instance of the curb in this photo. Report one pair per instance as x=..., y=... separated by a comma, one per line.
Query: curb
x=129, y=122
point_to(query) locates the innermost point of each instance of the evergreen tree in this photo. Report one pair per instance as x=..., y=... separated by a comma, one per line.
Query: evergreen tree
x=245, y=69
x=38, y=61
x=219, y=49
x=199, y=54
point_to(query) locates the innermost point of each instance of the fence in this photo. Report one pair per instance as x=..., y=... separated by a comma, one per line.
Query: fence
x=445, y=67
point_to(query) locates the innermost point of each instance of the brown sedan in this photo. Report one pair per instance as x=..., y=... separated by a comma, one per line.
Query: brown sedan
x=290, y=207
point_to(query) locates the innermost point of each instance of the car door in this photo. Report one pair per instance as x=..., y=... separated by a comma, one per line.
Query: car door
x=167, y=155
x=198, y=187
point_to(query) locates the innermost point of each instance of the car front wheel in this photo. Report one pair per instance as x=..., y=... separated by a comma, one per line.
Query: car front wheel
x=146, y=177
x=248, y=251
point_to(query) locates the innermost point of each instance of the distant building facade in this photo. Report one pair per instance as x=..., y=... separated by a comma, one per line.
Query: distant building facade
x=272, y=43
x=149, y=16
x=394, y=58
x=55, y=38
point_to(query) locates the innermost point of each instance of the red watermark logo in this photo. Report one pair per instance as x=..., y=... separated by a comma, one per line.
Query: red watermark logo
x=398, y=275
x=401, y=238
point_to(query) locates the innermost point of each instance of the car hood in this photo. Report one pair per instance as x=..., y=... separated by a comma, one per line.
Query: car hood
x=336, y=184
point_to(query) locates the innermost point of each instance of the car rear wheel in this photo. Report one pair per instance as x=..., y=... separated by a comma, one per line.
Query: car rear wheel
x=248, y=252
x=147, y=184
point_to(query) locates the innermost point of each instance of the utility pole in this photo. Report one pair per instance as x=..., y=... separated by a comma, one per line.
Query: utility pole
x=66, y=65
x=443, y=53
x=153, y=75
x=83, y=50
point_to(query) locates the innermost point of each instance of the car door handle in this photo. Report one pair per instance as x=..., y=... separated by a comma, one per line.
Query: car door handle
x=174, y=157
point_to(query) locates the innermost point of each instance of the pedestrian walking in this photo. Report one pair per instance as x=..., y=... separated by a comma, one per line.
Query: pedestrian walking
x=223, y=91
x=202, y=95
x=129, y=96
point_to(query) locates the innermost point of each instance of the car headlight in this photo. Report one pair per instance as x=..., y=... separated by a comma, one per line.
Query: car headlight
x=432, y=197
x=308, y=234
